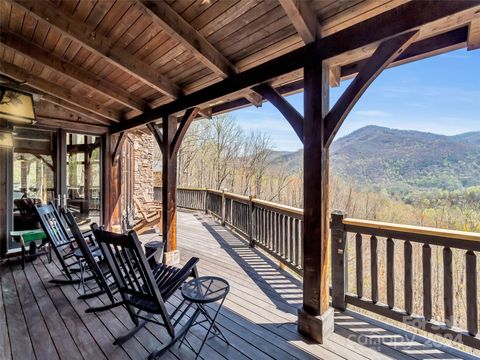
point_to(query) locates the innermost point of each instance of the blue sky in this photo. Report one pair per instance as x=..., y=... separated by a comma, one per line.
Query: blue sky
x=439, y=94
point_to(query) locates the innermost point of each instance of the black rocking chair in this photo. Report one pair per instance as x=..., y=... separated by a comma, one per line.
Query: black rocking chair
x=63, y=245
x=99, y=270
x=144, y=289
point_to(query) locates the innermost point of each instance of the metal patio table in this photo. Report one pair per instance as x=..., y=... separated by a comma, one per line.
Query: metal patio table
x=202, y=291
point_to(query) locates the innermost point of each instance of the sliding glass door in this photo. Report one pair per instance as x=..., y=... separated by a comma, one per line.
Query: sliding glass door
x=52, y=165
x=83, y=178
x=34, y=169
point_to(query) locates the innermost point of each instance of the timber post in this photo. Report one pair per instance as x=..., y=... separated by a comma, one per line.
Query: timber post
x=339, y=260
x=224, y=205
x=205, y=197
x=250, y=221
x=315, y=318
x=169, y=186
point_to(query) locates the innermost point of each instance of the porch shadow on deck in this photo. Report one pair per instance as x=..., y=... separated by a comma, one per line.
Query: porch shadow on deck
x=44, y=321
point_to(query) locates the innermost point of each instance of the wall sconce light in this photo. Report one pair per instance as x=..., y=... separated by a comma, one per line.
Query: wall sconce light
x=16, y=106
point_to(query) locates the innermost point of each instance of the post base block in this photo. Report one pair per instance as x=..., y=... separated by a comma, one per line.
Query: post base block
x=316, y=328
x=171, y=257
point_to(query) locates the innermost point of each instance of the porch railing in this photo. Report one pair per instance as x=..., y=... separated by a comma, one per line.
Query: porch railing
x=272, y=227
x=277, y=229
x=400, y=263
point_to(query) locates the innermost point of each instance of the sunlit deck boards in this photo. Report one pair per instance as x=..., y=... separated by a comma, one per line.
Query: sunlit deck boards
x=42, y=321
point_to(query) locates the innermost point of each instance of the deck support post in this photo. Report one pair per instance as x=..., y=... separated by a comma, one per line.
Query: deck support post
x=169, y=190
x=315, y=318
x=169, y=139
x=111, y=182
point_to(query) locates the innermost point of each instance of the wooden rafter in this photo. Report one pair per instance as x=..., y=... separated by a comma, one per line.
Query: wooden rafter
x=59, y=92
x=185, y=123
x=41, y=56
x=302, y=17
x=179, y=29
x=99, y=44
x=402, y=19
x=473, y=42
x=383, y=56
x=288, y=111
x=53, y=115
x=422, y=49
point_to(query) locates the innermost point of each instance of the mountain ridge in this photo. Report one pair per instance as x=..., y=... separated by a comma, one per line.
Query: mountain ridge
x=400, y=160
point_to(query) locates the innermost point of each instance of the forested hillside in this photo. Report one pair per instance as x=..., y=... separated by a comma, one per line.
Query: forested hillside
x=377, y=173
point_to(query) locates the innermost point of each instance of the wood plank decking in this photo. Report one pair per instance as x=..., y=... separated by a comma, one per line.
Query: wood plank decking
x=39, y=320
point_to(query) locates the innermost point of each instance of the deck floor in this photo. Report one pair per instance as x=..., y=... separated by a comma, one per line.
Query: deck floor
x=39, y=320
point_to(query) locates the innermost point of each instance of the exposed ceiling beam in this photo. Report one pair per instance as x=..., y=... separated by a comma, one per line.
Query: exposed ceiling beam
x=52, y=115
x=425, y=48
x=402, y=19
x=353, y=13
x=383, y=56
x=61, y=93
x=179, y=29
x=422, y=49
x=41, y=56
x=302, y=17
x=99, y=44
x=473, y=42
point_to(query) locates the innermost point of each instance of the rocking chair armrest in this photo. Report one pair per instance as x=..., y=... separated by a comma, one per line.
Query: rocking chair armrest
x=179, y=278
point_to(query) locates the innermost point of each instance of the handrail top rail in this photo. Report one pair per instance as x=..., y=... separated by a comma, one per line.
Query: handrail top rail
x=411, y=229
x=273, y=205
x=190, y=188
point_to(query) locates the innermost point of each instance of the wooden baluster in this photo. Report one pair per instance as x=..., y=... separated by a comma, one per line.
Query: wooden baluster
x=339, y=260
x=272, y=231
x=427, y=281
x=262, y=226
x=281, y=229
x=300, y=242
x=408, y=266
x=359, y=264
x=277, y=233
x=291, y=240
x=374, y=267
x=448, y=286
x=471, y=275
x=390, y=273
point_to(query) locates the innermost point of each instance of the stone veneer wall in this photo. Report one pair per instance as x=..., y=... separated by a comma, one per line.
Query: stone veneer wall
x=143, y=176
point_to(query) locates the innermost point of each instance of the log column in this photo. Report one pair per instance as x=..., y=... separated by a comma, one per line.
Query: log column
x=315, y=318
x=169, y=138
x=169, y=187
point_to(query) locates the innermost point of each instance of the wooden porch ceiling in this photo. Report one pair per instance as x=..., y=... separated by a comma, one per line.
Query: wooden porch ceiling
x=106, y=63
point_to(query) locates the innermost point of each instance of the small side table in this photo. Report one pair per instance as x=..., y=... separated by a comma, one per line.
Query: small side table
x=26, y=237
x=201, y=291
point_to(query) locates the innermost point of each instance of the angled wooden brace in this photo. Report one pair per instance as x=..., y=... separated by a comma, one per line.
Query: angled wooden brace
x=187, y=119
x=288, y=111
x=157, y=134
x=118, y=148
x=386, y=52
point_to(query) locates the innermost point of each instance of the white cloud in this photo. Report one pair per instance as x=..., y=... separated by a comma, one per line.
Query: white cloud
x=379, y=113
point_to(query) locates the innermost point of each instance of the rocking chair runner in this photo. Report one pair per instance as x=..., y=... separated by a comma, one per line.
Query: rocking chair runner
x=144, y=289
